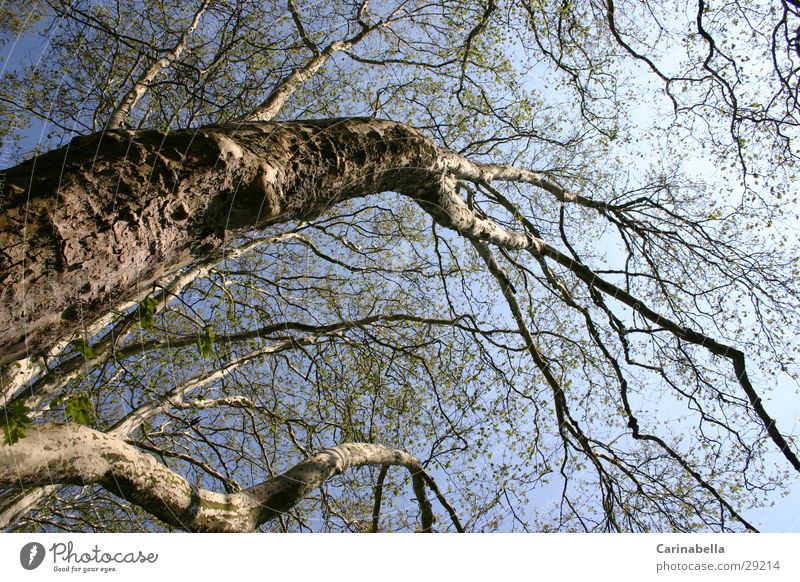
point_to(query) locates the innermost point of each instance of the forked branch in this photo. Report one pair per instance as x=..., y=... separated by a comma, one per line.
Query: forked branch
x=75, y=454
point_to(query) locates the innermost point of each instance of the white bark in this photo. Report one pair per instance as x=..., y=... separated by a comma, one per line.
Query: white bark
x=272, y=105
x=75, y=454
x=135, y=93
x=286, y=87
x=287, y=489
x=176, y=396
x=18, y=504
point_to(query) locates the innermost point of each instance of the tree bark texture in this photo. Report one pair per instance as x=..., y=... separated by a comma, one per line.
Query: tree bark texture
x=75, y=454
x=86, y=226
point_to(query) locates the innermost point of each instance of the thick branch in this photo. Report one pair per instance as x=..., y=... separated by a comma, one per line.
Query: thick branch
x=77, y=455
x=183, y=193
x=283, y=492
x=160, y=201
x=74, y=454
x=15, y=505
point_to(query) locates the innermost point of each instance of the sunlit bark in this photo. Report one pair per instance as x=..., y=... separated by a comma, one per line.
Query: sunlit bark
x=74, y=454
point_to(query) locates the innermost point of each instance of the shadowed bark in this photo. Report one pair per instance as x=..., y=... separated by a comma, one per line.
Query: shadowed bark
x=85, y=226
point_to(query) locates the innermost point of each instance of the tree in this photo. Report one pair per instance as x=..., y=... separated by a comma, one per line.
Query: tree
x=246, y=274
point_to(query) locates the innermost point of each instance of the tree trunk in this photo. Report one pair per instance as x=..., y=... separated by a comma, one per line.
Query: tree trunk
x=86, y=226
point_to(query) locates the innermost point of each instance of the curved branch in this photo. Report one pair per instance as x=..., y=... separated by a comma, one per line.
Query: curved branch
x=269, y=173
x=612, y=25
x=282, y=492
x=75, y=454
x=541, y=249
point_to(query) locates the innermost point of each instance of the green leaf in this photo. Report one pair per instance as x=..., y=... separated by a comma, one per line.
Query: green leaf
x=146, y=311
x=14, y=422
x=83, y=348
x=206, y=343
x=79, y=408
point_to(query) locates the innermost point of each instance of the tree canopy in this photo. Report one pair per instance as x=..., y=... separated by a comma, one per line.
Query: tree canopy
x=482, y=265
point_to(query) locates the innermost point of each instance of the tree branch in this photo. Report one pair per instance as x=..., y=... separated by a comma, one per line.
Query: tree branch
x=140, y=87
x=75, y=454
x=286, y=87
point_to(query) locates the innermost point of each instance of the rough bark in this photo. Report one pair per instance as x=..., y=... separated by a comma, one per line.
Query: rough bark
x=92, y=224
x=86, y=226
x=74, y=454
x=89, y=225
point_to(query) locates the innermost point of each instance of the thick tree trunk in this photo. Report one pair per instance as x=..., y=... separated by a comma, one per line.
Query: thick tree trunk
x=86, y=226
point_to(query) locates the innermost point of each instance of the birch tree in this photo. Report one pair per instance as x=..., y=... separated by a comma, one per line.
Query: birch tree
x=260, y=266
